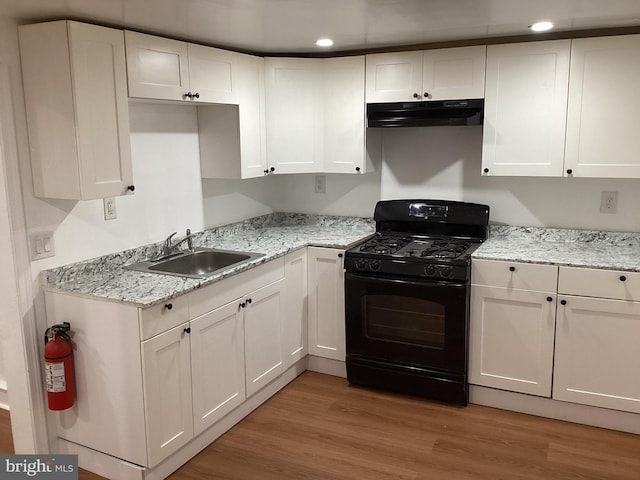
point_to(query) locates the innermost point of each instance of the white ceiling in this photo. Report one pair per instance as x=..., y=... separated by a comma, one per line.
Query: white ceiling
x=270, y=26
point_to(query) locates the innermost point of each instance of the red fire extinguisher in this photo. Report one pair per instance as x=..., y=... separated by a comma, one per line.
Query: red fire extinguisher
x=58, y=357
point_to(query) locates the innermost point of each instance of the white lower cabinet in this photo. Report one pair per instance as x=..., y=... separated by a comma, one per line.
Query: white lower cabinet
x=512, y=339
x=166, y=375
x=326, y=303
x=174, y=369
x=263, y=336
x=295, y=316
x=597, y=359
x=584, y=340
x=512, y=329
x=217, y=364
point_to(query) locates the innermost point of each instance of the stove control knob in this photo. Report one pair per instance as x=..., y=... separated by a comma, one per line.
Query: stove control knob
x=430, y=270
x=445, y=271
x=361, y=264
x=375, y=265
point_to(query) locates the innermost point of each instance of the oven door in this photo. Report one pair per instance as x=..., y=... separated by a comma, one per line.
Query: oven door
x=419, y=323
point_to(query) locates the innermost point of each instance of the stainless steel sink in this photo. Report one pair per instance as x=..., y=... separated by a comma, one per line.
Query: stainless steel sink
x=200, y=263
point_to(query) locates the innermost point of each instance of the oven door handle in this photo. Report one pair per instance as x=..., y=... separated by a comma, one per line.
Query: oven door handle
x=431, y=283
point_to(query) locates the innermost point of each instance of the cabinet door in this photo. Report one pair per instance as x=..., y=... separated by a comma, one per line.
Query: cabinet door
x=232, y=136
x=454, y=73
x=326, y=303
x=511, y=339
x=217, y=364
x=211, y=74
x=158, y=68
x=602, y=132
x=295, y=273
x=88, y=155
x=597, y=359
x=295, y=139
x=525, y=109
x=394, y=77
x=166, y=375
x=264, y=340
x=344, y=107
x=102, y=110
x=249, y=80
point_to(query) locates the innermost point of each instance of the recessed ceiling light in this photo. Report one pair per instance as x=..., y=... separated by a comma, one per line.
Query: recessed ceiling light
x=541, y=26
x=324, y=42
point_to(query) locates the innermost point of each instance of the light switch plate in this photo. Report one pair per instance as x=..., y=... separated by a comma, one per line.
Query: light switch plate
x=41, y=245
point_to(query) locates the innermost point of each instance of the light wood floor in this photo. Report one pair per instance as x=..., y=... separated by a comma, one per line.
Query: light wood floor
x=319, y=427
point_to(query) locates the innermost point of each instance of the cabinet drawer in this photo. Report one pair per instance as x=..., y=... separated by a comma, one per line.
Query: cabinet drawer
x=205, y=299
x=525, y=276
x=162, y=317
x=589, y=282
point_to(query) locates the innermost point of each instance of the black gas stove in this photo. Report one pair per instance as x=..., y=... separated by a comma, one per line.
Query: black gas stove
x=422, y=238
x=438, y=257
x=407, y=298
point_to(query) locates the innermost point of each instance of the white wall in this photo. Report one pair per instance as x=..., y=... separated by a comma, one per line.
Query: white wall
x=21, y=337
x=168, y=195
x=445, y=162
x=227, y=201
x=353, y=195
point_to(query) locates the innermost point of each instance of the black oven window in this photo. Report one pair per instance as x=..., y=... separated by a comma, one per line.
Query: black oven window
x=401, y=319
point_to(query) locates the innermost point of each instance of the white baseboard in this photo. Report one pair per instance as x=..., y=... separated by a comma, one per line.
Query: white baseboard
x=547, y=407
x=4, y=395
x=327, y=365
x=100, y=463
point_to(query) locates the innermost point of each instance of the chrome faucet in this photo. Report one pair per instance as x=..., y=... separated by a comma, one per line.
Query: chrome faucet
x=169, y=248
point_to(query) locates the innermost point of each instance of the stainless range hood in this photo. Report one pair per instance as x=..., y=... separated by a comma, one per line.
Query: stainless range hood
x=425, y=114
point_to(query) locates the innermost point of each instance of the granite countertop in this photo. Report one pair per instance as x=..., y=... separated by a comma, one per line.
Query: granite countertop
x=274, y=235
x=553, y=246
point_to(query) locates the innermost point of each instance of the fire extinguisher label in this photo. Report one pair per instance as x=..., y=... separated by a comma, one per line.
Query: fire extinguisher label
x=55, y=377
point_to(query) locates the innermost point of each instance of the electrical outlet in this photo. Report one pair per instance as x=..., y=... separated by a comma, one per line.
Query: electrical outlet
x=109, y=208
x=321, y=184
x=609, y=202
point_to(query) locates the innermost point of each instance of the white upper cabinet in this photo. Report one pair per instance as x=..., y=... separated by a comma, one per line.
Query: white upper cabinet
x=443, y=74
x=294, y=94
x=525, y=108
x=602, y=119
x=344, y=115
x=232, y=136
x=211, y=74
x=157, y=67
x=78, y=119
x=228, y=88
x=165, y=69
x=394, y=77
x=316, y=115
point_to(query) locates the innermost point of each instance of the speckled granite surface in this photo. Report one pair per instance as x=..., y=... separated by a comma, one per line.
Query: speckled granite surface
x=577, y=248
x=273, y=235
